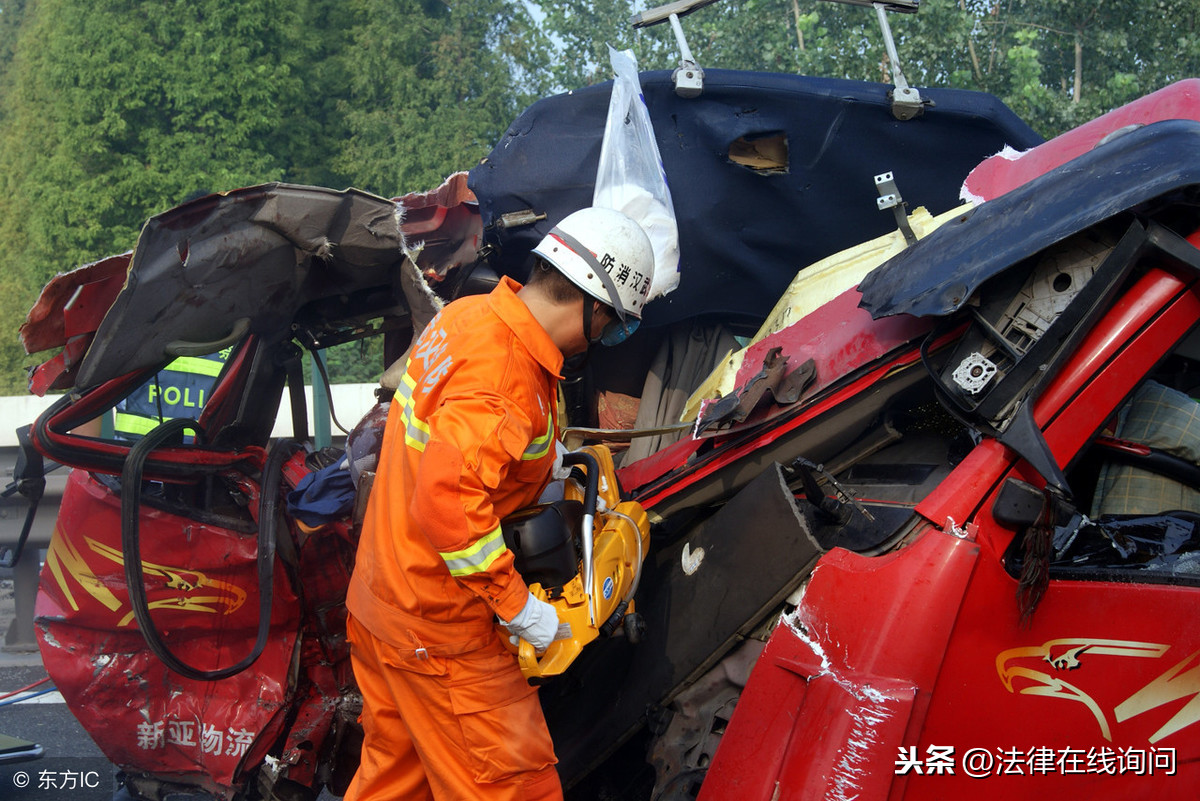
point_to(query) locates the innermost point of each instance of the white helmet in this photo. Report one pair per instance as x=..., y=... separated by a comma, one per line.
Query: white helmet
x=606, y=254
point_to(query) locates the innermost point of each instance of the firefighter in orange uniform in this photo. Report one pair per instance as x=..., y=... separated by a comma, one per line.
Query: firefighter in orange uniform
x=471, y=439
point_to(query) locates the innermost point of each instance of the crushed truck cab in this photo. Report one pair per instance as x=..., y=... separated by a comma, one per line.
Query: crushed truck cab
x=911, y=489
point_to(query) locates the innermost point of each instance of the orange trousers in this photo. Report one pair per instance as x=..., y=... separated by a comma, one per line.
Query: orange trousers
x=448, y=728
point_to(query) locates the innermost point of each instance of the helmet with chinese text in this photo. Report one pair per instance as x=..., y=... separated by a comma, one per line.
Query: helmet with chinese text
x=606, y=254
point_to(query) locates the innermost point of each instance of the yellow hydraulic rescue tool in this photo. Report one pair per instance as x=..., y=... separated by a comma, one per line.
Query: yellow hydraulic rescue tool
x=583, y=555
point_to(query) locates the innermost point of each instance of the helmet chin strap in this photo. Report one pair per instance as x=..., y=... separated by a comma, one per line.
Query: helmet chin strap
x=587, y=321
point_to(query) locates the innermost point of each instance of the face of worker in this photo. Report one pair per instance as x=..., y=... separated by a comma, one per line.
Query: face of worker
x=602, y=315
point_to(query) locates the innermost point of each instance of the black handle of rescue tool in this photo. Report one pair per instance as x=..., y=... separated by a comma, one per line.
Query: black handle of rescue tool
x=589, y=521
x=592, y=483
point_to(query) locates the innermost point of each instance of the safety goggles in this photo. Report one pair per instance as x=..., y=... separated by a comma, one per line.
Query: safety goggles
x=617, y=331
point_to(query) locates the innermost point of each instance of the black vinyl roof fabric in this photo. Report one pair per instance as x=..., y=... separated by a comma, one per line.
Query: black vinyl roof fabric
x=938, y=274
x=744, y=233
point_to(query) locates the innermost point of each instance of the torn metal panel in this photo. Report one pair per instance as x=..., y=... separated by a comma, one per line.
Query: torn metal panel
x=836, y=340
x=846, y=675
x=73, y=303
x=66, y=315
x=783, y=385
x=257, y=254
x=442, y=228
x=1010, y=169
x=201, y=583
x=862, y=719
x=813, y=287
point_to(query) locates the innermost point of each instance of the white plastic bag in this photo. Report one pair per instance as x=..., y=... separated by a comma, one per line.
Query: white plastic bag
x=631, y=178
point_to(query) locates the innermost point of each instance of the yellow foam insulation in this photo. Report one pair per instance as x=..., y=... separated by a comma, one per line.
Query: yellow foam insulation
x=812, y=288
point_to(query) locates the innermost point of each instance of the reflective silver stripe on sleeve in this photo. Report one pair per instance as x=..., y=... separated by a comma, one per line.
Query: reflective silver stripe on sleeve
x=540, y=446
x=416, y=430
x=478, y=558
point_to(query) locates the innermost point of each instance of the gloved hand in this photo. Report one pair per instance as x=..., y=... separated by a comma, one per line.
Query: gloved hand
x=559, y=471
x=537, y=622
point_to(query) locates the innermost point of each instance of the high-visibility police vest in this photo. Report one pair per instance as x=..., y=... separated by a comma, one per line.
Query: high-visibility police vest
x=178, y=390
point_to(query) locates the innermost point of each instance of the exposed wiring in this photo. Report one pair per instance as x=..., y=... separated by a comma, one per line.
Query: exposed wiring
x=12, y=701
x=26, y=688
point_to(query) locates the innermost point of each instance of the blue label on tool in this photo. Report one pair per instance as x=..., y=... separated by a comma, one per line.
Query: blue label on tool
x=608, y=588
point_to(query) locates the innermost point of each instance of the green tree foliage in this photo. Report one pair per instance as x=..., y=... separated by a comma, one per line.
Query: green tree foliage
x=313, y=128
x=584, y=31
x=114, y=110
x=432, y=87
x=1057, y=63
x=1075, y=59
x=358, y=362
x=117, y=109
x=11, y=12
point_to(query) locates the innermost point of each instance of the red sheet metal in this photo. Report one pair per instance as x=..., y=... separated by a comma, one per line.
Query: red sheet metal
x=843, y=675
x=442, y=228
x=66, y=315
x=88, y=290
x=201, y=587
x=51, y=435
x=1004, y=172
x=839, y=337
x=58, y=372
x=326, y=558
x=1096, y=697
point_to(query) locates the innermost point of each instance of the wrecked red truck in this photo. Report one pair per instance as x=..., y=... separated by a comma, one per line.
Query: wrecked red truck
x=915, y=439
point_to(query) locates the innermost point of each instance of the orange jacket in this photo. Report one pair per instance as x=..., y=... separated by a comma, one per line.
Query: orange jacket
x=469, y=440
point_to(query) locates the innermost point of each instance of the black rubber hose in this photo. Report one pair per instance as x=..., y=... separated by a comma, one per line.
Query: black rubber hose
x=131, y=489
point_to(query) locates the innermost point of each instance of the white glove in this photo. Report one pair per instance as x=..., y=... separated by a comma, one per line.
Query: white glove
x=537, y=622
x=559, y=471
